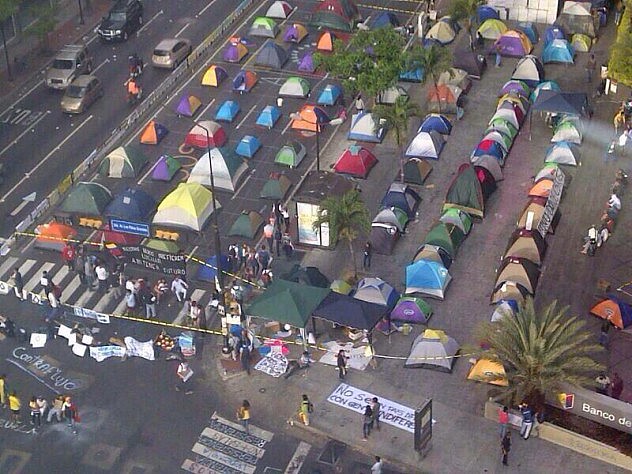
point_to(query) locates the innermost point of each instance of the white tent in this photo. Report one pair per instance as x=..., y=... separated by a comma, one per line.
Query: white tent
x=426, y=145
x=279, y=10
x=227, y=169
x=433, y=349
x=188, y=206
x=363, y=128
x=390, y=95
x=490, y=163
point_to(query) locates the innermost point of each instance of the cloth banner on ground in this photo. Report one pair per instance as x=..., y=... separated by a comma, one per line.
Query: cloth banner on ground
x=101, y=353
x=274, y=364
x=140, y=349
x=392, y=413
x=356, y=355
x=159, y=261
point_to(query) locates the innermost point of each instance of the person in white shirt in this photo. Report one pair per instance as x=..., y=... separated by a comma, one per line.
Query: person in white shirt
x=377, y=467
x=102, y=277
x=615, y=202
x=179, y=287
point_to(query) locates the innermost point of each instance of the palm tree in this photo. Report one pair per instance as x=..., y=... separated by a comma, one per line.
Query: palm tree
x=433, y=60
x=465, y=11
x=540, y=350
x=395, y=117
x=346, y=218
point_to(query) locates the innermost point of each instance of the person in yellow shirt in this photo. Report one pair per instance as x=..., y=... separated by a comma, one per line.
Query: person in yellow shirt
x=3, y=390
x=243, y=415
x=14, y=406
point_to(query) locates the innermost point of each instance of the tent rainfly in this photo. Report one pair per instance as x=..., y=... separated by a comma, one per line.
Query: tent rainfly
x=567, y=131
x=390, y=95
x=329, y=95
x=465, y=192
x=165, y=168
x=426, y=145
x=133, y=205
x=214, y=76
x=295, y=87
x=247, y=225
x=271, y=55
x=513, y=43
x=204, y=134
x=341, y=286
x=526, y=244
x=376, y=290
x=443, y=98
x=235, y=52
x=416, y=171
x=306, y=63
x=433, y=349
x=403, y=197
x=384, y=20
x=459, y=218
x=383, y=238
x=295, y=33
x=268, y=116
x=553, y=32
x=433, y=253
x=410, y=309
x=485, y=370
x=291, y=154
x=447, y=236
x=276, y=187
x=355, y=161
x=393, y=216
x=615, y=310
x=336, y=14
x=87, y=198
x=457, y=78
x=529, y=70
x=563, y=153
x=509, y=290
x=264, y=27
x=248, y=146
x=363, y=128
x=471, y=62
x=427, y=277
x=490, y=163
x=279, y=9
x=486, y=12
x=309, y=118
x=492, y=29
x=577, y=17
x=519, y=270
x=558, y=51
x=436, y=122
x=227, y=169
x=244, y=81
x=153, y=133
x=529, y=29
x=581, y=43
x=227, y=111
x=350, y=312
x=123, y=162
x=441, y=32
x=188, y=105
x=188, y=206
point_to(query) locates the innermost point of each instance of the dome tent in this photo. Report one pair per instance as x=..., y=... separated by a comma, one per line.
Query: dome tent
x=86, y=198
x=271, y=55
x=291, y=154
x=513, y=43
x=529, y=70
x=376, y=290
x=329, y=95
x=244, y=81
x=247, y=225
x=433, y=253
x=204, y=134
x=248, y=146
x=363, y=128
x=447, y=236
x=295, y=87
x=227, y=111
x=356, y=161
x=133, y=205
x=227, y=169
x=563, y=153
x=403, y=197
x=441, y=32
x=123, y=162
x=416, y=171
x=279, y=9
x=437, y=122
x=188, y=206
x=263, y=27
x=428, y=278
x=295, y=33
x=269, y=116
x=410, y=309
x=234, y=52
x=465, y=192
x=153, y=133
x=276, y=187
x=433, y=349
x=392, y=216
x=165, y=168
x=309, y=118
x=558, y=51
x=306, y=63
x=426, y=145
x=459, y=218
x=492, y=29
x=383, y=238
x=214, y=76
x=188, y=105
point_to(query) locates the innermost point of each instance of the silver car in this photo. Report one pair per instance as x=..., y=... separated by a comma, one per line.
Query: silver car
x=81, y=94
x=169, y=53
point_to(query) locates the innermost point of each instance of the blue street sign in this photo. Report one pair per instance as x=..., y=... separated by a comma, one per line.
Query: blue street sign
x=129, y=227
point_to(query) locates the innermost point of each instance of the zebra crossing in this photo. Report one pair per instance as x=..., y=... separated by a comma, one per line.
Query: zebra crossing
x=73, y=293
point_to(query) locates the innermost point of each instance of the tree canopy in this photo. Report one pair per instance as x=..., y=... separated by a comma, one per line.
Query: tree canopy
x=433, y=60
x=620, y=64
x=464, y=11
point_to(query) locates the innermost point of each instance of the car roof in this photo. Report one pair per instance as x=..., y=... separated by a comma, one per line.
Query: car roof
x=70, y=51
x=83, y=80
x=168, y=43
x=122, y=5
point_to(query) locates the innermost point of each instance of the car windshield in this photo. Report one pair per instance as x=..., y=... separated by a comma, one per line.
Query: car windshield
x=161, y=52
x=117, y=16
x=75, y=91
x=62, y=64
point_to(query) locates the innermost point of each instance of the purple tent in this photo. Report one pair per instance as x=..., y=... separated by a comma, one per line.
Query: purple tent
x=306, y=64
x=514, y=44
x=516, y=87
x=234, y=52
x=411, y=310
x=165, y=168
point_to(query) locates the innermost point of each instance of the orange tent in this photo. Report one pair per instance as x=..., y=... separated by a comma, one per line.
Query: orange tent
x=442, y=93
x=310, y=115
x=326, y=41
x=614, y=310
x=53, y=236
x=542, y=188
x=153, y=133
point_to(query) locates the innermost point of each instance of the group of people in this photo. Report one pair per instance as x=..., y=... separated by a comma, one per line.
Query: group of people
x=528, y=418
x=371, y=417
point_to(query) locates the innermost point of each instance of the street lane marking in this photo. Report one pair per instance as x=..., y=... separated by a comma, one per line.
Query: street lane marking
x=19, y=137
x=34, y=282
x=147, y=23
x=8, y=264
x=69, y=290
x=181, y=30
x=287, y=126
x=107, y=60
x=205, y=8
x=205, y=109
x=296, y=463
x=27, y=93
x=247, y=115
x=242, y=184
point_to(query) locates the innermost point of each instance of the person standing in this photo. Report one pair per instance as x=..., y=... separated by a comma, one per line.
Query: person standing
x=88, y=268
x=102, y=277
x=3, y=390
x=305, y=409
x=18, y=284
x=80, y=267
x=14, y=406
x=603, y=382
x=359, y=104
x=130, y=303
x=36, y=414
x=195, y=313
x=69, y=410
x=184, y=373
x=263, y=259
x=368, y=252
x=244, y=355
x=42, y=404
x=149, y=300
x=498, y=59
x=591, y=65
x=616, y=386
x=57, y=409
x=243, y=415
x=268, y=233
x=527, y=420
x=503, y=421
x=367, y=419
x=68, y=254
x=378, y=465
x=285, y=215
x=180, y=288
x=341, y=362
x=278, y=237
x=46, y=283
x=505, y=447
x=376, y=407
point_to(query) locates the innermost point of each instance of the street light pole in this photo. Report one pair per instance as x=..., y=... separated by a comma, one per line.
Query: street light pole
x=317, y=146
x=81, y=22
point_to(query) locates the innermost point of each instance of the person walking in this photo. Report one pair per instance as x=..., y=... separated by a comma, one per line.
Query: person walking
x=264, y=259
x=591, y=65
x=195, y=313
x=527, y=420
x=80, y=266
x=367, y=419
x=305, y=409
x=3, y=390
x=243, y=415
x=36, y=414
x=244, y=355
x=18, y=284
x=14, y=406
x=46, y=283
x=148, y=298
x=368, y=253
x=503, y=421
x=498, y=59
x=102, y=277
x=184, y=374
x=268, y=233
x=376, y=407
x=285, y=215
x=42, y=404
x=180, y=288
x=359, y=104
x=616, y=386
x=505, y=447
x=341, y=362
x=377, y=466
x=56, y=410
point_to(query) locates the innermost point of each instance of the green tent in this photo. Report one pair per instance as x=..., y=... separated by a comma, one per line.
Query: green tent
x=504, y=126
x=247, y=225
x=162, y=245
x=465, y=193
x=276, y=187
x=446, y=236
x=291, y=155
x=295, y=87
x=287, y=302
x=459, y=218
x=87, y=198
x=123, y=162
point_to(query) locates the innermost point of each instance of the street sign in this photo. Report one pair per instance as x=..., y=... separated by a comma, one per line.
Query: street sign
x=423, y=427
x=129, y=227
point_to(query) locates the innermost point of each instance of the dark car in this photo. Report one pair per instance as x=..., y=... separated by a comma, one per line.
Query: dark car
x=125, y=17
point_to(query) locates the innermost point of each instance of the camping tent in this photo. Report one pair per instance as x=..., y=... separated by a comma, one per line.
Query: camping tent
x=295, y=33
x=549, y=170
x=415, y=74
x=403, y=197
x=571, y=103
x=393, y=216
x=529, y=29
x=507, y=116
x=248, y=146
x=188, y=105
x=576, y=17
x=437, y=122
x=188, y=206
x=503, y=140
x=307, y=276
x=474, y=64
x=541, y=188
x=291, y=154
x=214, y=76
x=443, y=98
x=123, y=162
x=383, y=238
x=271, y=55
x=513, y=43
x=504, y=126
x=465, y=192
x=458, y=218
x=133, y=205
x=86, y=198
x=485, y=12
x=165, y=168
x=410, y=309
x=390, y=95
x=441, y=32
x=558, y=51
x=287, y=302
x=484, y=370
x=615, y=310
x=329, y=95
x=581, y=43
x=356, y=161
x=207, y=271
x=204, y=134
x=427, y=277
x=306, y=63
x=225, y=165
x=269, y=116
x=335, y=14
x=325, y=42
x=384, y=20
x=519, y=270
x=426, y=145
x=363, y=128
x=244, y=81
x=455, y=77
x=447, y=236
x=247, y=225
x=310, y=118
x=153, y=133
x=491, y=148
x=532, y=213
x=567, y=131
x=509, y=290
x=517, y=87
x=341, y=286
x=263, y=27
x=433, y=349
x=279, y=9
x=416, y=171
x=529, y=70
x=227, y=111
x=492, y=29
x=490, y=163
x=234, y=52
x=350, y=312
x=563, y=153
x=376, y=290
x=504, y=309
x=53, y=236
x=527, y=244
x=487, y=180
x=276, y=187
x=553, y=32
x=295, y=87
x=433, y=253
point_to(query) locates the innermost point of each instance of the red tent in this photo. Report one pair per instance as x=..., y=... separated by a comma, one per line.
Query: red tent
x=112, y=239
x=356, y=161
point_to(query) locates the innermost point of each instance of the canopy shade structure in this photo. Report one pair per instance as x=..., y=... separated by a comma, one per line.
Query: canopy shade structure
x=390, y=95
x=576, y=17
x=426, y=145
x=53, y=236
x=519, y=270
x=295, y=33
x=526, y=244
x=363, y=129
x=279, y=9
x=433, y=253
x=351, y=312
x=268, y=116
x=165, y=168
x=87, y=198
x=306, y=63
x=529, y=70
x=205, y=134
x=247, y=225
x=563, y=153
x=433, y=349
x=244, y=81
x=307, y=275
x=474, y=64
x=248, y=146
x=227, y=111
x=188, y=206
x=442, y=32
x=492, y=29
x=208, y=271
x=504, y=309
x=271, y=55
x=291, y=154
x=123, y=162
x=392, y=216
x=484, y=370
x=427, y=277
x=509, y=290
x=558, y=51
x=355, y=161
x=465, y=192
x=513, y=43
x=227, y=169
x=376, y=290
x=615, y=310
x=447, y=236
x=329, y=95
x=153, y=133
x=295, y=87
x=263, y=27
x=214, y=76
x=133, y=205
x=287, y=302
x=403, y=197
x=416, y=171
x=436, y=122
x=457, y=217
x=276, y=187
x=234, y=53
x=188, y=105
x=383, y=238
x=410, y=309
x=572, y=103
x=310, y=118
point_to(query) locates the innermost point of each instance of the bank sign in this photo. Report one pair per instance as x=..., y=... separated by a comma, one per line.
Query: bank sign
x=596, y=407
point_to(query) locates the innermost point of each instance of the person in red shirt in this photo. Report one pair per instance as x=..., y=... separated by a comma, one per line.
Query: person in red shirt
x=68, y=254
x=503, y=421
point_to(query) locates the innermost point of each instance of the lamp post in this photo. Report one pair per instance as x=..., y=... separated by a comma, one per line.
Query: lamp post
x=81, y=21
x=318, y=122
x=317, y=145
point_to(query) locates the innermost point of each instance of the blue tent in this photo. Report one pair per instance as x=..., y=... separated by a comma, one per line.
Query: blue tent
x=383, y=20
x=437, y=122
x=427, y=277
x=269, y=116
x=553, y=32
x=208, y=271
x=415, y=75
x=485, y=12
x=558, y=51
x=491, y=148
x=330, y=95
x=544, y=86
x=227, y=111
x=132, y=205
x=530, y=30
x=248, y=146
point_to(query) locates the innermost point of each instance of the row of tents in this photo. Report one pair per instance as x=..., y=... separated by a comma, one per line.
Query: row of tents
x=398, y=206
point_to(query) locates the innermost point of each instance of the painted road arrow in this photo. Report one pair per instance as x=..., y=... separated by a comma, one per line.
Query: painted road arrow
x=25, y=200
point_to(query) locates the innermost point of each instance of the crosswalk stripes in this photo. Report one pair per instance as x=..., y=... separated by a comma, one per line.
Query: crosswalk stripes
x=224, y=447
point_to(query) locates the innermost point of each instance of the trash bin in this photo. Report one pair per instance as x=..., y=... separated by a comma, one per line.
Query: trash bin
x=406, y=329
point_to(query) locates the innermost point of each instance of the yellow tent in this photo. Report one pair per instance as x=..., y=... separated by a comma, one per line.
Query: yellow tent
x=213, y=76
x=189, y=206
x=581, y=43
x=492, y=29
x=484, y=370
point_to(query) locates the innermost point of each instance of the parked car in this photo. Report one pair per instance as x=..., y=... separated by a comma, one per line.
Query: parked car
x=125, y=17
x=81, y=94
x=70, y=62
x=169, y=53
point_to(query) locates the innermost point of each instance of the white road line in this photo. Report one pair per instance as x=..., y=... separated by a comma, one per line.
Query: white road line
x=287, y=126
x=147, y=23
x=107, y=60
x=192, y=252
x=28, y=175
x=60, y=275
x=205, y=109
x=181, y=30
x=8, y=264
x=26, y=94
x=149, y=171
x=247, y=115
x=205, y=8
x=29, y=129
x=242, y=184
x=224, y=459
x=34, y=282
x=103, y=302
x=295, y=464
x=254, y=430
x=69, y=290
x=25, y=268
x=84, y=298
x=19, y=208
x=121, y=307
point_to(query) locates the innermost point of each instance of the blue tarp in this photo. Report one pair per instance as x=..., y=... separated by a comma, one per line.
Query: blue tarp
x=248, y=146
x=268, y=116
x=227, y=111
x=208, y=272
x=415, y=75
